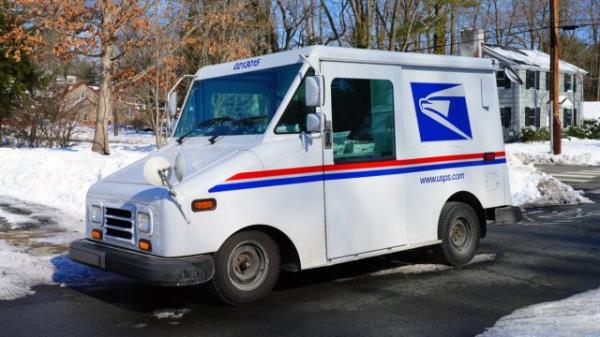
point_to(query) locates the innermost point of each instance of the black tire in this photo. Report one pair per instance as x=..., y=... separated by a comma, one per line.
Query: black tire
x=251, y=252
x=458, y=228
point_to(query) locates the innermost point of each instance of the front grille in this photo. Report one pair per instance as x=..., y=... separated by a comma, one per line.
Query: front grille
x=118, y=234
x=121, y=213
x=118, y=224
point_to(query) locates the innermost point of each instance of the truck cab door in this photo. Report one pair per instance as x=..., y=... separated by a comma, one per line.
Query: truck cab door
x=364, y=199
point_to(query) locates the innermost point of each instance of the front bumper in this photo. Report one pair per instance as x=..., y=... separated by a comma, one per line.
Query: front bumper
x=162, y=271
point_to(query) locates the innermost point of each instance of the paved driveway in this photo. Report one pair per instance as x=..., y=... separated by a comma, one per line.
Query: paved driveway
x=555, y=253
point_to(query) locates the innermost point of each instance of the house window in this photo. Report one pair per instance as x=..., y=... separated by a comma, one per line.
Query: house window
x=532, y=117
x=574, y=116
x=548, y=82
x=574, y=83
x=505, y=116
x=568, y=82
x=501, y=80
x=567, y=117
x=532, y=79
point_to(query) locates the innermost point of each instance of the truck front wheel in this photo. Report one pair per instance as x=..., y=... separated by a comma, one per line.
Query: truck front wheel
x=458, y=228
x=246, y=268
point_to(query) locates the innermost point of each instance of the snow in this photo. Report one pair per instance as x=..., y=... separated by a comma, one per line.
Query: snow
x=591, y=110
x=126, y=136
x=535, y=58
x=43, y=206
x=430, y=268
x=60, y=178
x=170, y=313
x=20, y=271
x=578, y=315
x=575, y=151
x=531, y=187
x=14, y=220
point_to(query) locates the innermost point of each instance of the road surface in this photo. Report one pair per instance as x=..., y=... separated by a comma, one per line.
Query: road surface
x=554, y=254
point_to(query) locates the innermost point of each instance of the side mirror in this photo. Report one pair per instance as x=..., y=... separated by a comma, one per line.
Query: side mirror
x=172, y=103
x=313, y=91
x=157, y=171
x=313, y=123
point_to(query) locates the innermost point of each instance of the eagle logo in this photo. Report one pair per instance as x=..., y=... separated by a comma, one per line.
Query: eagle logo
x=441, y=111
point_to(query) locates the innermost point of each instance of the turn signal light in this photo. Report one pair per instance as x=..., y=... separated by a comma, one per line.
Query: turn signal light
x=96, y=234
x=201, y=205
x=145, y=245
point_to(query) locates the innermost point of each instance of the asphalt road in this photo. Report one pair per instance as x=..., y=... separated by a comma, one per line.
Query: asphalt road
x=555, y=253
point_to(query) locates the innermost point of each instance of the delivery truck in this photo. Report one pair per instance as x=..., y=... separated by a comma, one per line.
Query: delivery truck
x=305, y=159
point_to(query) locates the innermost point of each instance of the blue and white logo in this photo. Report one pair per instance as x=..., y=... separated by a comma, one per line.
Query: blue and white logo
x=441, y=111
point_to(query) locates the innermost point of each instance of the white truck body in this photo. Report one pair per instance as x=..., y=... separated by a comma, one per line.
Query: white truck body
x=444, y=141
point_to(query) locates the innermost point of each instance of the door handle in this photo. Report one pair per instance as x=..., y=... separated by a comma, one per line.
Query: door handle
x=327, y=135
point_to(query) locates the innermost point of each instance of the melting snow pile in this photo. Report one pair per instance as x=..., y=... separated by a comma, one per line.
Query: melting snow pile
x=575, y=151
x=20, y=271
x=60, y=178
x=430, y=268
x=531, y=187
x=578, y=315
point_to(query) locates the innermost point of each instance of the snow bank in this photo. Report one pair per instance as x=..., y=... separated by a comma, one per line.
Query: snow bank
x=578, y=315
x=60, y=178
x=126, y=136
x=574, y=152
x=591, y=110
x=531, y=187
x=20, y=271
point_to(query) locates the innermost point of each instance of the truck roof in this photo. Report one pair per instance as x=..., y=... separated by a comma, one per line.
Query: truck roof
x=342, y=54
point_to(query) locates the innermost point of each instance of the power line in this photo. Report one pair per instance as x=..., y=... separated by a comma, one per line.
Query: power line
x=512, y=33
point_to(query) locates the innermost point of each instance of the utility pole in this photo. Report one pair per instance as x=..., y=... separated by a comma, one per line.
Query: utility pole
x=554, y=59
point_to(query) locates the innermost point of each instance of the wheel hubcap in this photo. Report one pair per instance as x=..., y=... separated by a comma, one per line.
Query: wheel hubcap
x=459, y=234
x=248, y=265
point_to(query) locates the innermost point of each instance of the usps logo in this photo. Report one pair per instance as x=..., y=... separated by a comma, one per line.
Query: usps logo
x=441, y=111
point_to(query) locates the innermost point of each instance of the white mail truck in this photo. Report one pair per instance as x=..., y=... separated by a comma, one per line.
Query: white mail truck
x=305, y=159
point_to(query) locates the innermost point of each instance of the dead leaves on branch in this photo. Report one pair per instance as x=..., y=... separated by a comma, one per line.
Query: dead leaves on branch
x=79, y=28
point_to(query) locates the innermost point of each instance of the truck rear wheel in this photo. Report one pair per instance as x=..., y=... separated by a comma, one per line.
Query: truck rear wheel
x=458, y=228
x=246, y=268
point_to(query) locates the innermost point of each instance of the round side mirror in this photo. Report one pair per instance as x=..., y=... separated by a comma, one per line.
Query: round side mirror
x=152, y=168
x=179, y=167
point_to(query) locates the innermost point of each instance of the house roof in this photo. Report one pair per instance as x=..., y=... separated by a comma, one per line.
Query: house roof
x=528, y=58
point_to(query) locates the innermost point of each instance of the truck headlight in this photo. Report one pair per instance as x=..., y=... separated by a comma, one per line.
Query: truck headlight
x=144, y=222
x=96, y=214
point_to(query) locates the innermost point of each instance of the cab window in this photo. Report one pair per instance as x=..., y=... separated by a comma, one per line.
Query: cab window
x=293, y=119
x=363, y=120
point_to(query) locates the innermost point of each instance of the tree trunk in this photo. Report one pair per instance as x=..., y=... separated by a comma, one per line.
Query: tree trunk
x=104, y=106
x=453, y=50
x=157, y=124
x=439, y=35
x=115, y=122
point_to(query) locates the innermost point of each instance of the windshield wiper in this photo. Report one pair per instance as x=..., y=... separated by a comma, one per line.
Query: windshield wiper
x=184, y=136
x=213, y=138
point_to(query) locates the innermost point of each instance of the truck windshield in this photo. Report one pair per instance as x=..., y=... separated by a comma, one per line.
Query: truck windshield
x=241, y=104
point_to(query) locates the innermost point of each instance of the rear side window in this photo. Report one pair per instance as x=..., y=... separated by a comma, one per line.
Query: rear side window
x=363, y=120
